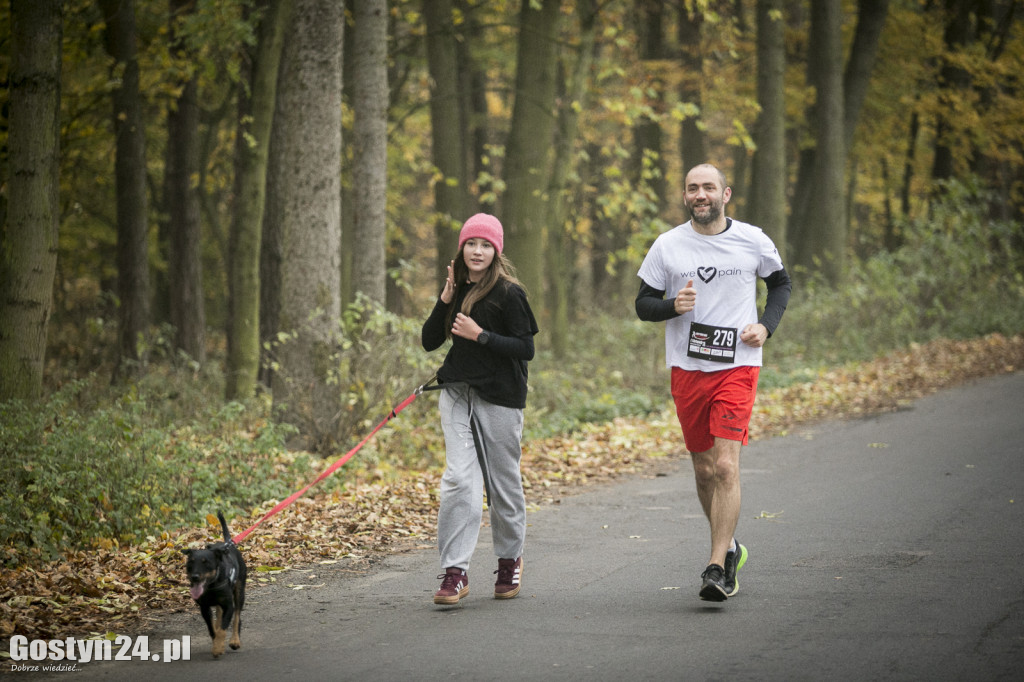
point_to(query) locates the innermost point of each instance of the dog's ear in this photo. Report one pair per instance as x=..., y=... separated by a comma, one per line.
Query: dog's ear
x=219, y=552
x=187, y=552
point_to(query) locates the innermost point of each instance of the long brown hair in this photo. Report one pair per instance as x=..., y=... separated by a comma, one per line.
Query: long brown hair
x=501, y=268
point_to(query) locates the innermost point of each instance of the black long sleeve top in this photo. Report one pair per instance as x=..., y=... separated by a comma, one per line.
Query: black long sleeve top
x=497, y=370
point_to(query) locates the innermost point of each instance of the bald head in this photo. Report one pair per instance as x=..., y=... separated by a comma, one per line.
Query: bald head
x=707, y=168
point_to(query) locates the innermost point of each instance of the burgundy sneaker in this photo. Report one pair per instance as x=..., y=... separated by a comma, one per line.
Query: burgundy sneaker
x=509, y=572
x=454, y=586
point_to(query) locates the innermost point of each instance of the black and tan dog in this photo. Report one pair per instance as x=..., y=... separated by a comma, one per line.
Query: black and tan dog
x=216, y=577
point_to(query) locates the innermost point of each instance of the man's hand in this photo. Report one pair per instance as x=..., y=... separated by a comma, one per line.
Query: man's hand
x=754, y=335
x=686, y=299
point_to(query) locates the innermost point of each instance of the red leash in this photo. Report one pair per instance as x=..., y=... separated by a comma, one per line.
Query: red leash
x=338, y=464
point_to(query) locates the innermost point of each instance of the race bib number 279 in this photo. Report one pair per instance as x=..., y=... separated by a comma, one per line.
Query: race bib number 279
x=707, y=342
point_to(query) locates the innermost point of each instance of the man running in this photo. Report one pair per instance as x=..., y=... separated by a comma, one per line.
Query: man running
x=713, y=341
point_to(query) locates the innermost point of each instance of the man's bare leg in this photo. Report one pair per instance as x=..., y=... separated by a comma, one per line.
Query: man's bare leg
x=717, y=474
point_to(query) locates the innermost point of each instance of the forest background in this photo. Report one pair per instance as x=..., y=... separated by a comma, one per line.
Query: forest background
x=224, y=221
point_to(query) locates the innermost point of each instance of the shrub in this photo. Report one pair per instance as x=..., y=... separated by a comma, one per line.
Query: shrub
x=86, y=470
x=375, y=359
x=957, y=275
x=74, y=476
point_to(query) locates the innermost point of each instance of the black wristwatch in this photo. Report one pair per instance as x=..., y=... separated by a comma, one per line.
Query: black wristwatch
x=483, y=338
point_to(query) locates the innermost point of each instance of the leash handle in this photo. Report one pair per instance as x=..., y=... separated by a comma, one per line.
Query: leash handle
x=427, y=386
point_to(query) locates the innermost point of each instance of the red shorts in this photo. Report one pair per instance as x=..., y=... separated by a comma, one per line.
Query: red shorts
x=714, y=404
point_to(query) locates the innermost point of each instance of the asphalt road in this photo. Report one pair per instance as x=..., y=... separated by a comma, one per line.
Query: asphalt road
x=888, y=548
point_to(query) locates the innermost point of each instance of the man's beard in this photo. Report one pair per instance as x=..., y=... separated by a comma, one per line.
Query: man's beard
x=713, y=214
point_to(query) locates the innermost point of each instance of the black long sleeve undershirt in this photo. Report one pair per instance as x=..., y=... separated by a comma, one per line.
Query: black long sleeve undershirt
x=652, y=306
x=780, y=286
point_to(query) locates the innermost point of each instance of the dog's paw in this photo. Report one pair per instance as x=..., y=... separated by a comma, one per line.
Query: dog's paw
x=218, y=645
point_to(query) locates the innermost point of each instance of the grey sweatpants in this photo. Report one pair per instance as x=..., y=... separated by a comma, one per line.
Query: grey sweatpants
x=477, y=431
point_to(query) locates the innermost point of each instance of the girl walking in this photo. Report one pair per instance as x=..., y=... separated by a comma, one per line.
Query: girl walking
x=483, y=310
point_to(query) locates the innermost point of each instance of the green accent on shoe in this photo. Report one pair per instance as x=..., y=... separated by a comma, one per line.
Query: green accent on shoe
x=733, y=563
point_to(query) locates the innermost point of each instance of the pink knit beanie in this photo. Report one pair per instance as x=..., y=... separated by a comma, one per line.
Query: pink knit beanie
x=483, y=226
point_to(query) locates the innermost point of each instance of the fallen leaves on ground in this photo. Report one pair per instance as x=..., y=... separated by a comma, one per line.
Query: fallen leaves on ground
x=90, y=593
x=886, y=384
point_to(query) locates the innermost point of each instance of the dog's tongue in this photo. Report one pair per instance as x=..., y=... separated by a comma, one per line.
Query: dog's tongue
x=196, y=591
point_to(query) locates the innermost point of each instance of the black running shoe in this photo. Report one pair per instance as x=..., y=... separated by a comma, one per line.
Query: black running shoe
x=733, y=563
x=713, y=588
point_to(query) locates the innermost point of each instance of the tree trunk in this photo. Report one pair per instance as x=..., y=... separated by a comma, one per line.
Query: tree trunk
x=693, y=143
x=908, y=165
x=472, y=85
x=607, y=240
x=559, y=254
x=821, y=224
x=310, y=196
x=181, y=199
x=28, y=240
x=272, y=236
x=954, y=80
x=130, y=176
x=741, y=150
x=528, y=152
x=995, y=29
x=871, y=16
x=348, y=218
x=448, y=128
x=255, y=118
x=768, y=184
x=369, y=140
x=649, y=162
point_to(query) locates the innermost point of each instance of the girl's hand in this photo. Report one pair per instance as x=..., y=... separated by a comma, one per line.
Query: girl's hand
x=465, y=327
x=449, y=285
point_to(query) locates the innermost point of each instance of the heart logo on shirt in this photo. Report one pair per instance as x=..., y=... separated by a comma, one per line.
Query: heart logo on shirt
x=706, y=274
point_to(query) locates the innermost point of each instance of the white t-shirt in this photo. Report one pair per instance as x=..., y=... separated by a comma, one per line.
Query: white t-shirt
x=724, y=269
